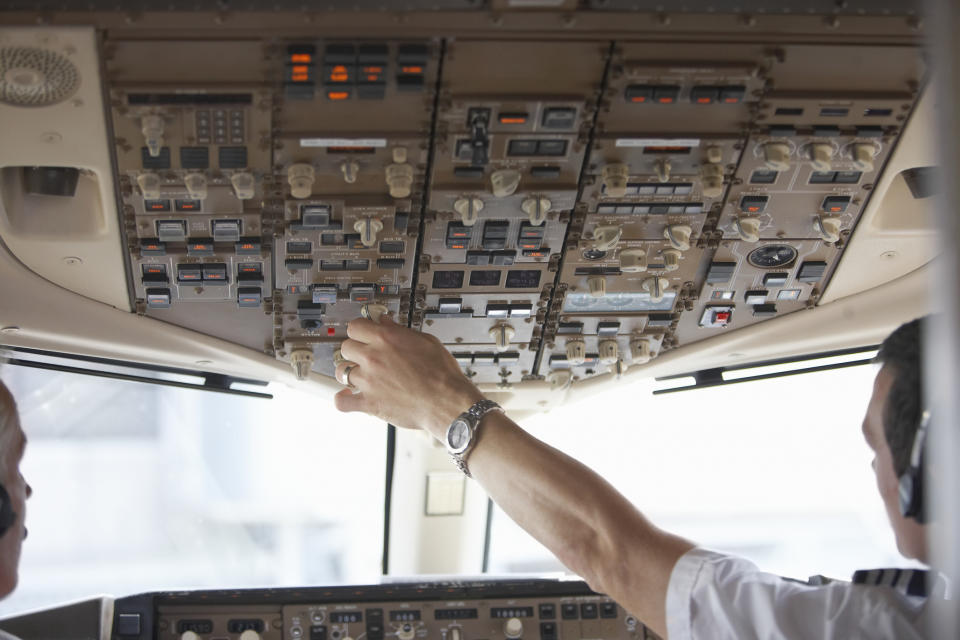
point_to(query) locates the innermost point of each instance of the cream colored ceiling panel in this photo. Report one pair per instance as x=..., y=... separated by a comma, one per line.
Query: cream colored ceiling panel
x=52, y=115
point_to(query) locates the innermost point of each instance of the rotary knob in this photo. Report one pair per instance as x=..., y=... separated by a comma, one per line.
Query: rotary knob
x=711, y=177
x=189, y=635
x=640, y=352
x=614, y=178
x=349, y=169
x=606, y=238
x=368, y=228
x=502, y=334
x=301, y=177
x=513, y=628
x=250, y=634
x=301, y=360
x=149, y=184
x=504, y=182
x=679, y=236
x=656, y=287
x=244, y=185
x=662, y=167
x=598, y=286
x=576, y=351
x=827, y=227
x=671, y=259
x=406, y=632
x=776, y=155
x=863, y=155
x=469, y=209
x=747, y=228
x=633, y=260
x=609, y=351
x=536, y=209
x=196, y=184
x=373, y=311
x=821, y=156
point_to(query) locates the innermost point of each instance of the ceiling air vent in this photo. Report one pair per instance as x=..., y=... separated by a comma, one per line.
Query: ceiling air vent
x=31, y=77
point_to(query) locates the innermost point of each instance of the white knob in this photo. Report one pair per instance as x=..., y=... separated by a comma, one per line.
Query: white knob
x=301, y=360
x=576, y=351
x=598, y=286
x=502, y=334
x=662, y=167
x=152, y=129
x=633, y=260
x=714, y=155
x=149, y=184
x=679, y=236
x=559, y=379
x=406, y=632
x=828, y=227
x=196, y=184
x=504, y=182
x=606, y=238
x=863, y=155
x=536, y=209
x=656, y=287
x=399, y=155
x=349, y=169
x=469, y=209
x=513, y=628
x=189, y=635
x=609, y=351
x=455, y=633
x=614, y=177
x=250, y=634
x=821, y=156
x=640, y=352
x=711, y=177
x=368, y=228
x=373, y=312
x=747, y=228
x=301, y=178
x=776, y=155
x=400, y=180
x=244, y=185
x=671, y=259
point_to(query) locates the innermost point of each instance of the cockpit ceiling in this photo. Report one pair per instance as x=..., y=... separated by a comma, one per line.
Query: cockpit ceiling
x=556, y=205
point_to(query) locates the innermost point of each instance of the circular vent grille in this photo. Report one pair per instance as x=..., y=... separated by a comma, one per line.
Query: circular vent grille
x=35, y=77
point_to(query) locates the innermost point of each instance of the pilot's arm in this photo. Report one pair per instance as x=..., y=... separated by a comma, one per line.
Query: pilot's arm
x=410, y=380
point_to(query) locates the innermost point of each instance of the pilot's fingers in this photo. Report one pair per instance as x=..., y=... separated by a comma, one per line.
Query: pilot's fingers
x=349, y=374
x=347, y=401
x=363, y=330
x=354, y=351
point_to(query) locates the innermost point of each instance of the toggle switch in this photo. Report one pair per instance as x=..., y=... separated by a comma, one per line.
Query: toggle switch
x=536, y=209
x=656, y=287
x=747, y=228
x=614, y=179
x=671, y=259
x=827, y=227
x=863, y=155
x=152, y=129
x=776, y=156
x=301, y=360
x=196, y=184
x=609, y=351
x=576, y=351
x=606, y=238
x=662, y=168
x=640, y=352
x=504, y=182
x=711, y=177
x=469, y=208
x=244, y=185
x=598, y=286
x=149, y=184
x=502, y=334
x=301, y=176
x=368, y=228
x=821, y=156
x=633, y=260
x=679, y=236
x=349, y=169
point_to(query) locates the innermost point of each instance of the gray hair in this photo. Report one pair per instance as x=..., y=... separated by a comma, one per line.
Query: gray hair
x=8, y=432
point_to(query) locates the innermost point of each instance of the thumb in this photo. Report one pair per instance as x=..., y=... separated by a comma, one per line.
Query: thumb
x=348, y=401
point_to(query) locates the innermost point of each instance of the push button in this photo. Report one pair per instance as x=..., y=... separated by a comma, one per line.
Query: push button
x=158, y=298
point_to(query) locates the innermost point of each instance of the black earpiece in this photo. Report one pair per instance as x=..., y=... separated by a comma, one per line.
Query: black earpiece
x=7, y=515
x=911, y=482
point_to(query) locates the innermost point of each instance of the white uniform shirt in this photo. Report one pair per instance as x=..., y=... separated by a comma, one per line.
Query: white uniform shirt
x=714, y=596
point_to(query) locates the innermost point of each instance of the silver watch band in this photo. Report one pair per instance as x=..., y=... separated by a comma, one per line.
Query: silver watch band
x=477, y=412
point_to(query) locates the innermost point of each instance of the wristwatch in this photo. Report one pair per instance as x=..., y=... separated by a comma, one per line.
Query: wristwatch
x=462, y=432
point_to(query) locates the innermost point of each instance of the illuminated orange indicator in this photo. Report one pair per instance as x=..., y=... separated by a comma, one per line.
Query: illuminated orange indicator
x=513, y=118
x=151, y=247
x=248, y=299
x=190, y=276
x=665, y=99
x=373, y=69
x=201, y=247
x=415, y=69
x=459, y=234
x=458, y=245
x=731, y=100
x=155, y=270
x=373, y=77
x=300, y=77
x=339, y=74
x=638, y=99
x=215, y=276
x=157, y=205
x=250, y=270
x=700, y=100
x=528, y=246
x=301, y=57
x=836, y=209
x=753, y=209
x=338, y=95
x=247, y=247
x=301, y=68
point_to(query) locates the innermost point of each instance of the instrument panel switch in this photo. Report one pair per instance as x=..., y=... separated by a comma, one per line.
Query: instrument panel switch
x=149, y=184
x=301, y=177
x=614, y=178
x=576, y=355
x=244, y=185
x=196, y=184
x=368, y=229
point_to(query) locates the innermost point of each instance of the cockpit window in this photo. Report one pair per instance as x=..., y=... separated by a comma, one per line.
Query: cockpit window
x=140, y=487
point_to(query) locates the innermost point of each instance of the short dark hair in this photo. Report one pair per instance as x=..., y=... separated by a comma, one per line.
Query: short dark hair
x=902, y=354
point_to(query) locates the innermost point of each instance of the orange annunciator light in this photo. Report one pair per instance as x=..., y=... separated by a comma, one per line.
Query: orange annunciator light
x=665, y=100
x=412, y=69
x=301, y=57
x=638, y=99
x=513, y=119
x=338, y=95
x=339, y=74
x=704, y=100
x=300, y=77
x=373, y=69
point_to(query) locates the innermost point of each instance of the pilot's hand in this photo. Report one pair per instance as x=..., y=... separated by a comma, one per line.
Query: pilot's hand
x=402, y=376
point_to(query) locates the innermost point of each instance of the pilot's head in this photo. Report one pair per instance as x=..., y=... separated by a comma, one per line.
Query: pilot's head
x=12, y=444
x=890, y=427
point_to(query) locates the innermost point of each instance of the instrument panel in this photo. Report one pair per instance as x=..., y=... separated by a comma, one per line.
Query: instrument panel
x=550, y=209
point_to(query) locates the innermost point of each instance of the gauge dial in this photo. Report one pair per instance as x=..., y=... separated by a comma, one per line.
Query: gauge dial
x=772, y=256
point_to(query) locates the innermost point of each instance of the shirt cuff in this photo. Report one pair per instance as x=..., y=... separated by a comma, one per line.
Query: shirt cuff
x=683, y=579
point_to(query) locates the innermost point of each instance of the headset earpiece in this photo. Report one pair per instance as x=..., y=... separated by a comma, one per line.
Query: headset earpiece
x=7, y=515
x=911, y=482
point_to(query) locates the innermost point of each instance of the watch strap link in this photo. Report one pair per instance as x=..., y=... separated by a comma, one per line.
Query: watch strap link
x=476, y=413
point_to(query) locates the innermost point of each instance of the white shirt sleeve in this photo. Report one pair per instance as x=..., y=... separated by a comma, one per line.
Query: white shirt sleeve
x=714, y=596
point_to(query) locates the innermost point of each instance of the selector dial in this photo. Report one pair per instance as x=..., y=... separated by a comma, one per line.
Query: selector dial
x=513, y=628
x=748, y=228
x=301, y=178
x=455, y=634
x=679, y=236
x=609, y=351
x=640, y=352
x=189, y=635
x=656, y=287
x=406, y=632
x=250, y=634
x=662, y=167
x=469, y=209
x=301, y=360
x=196, y=184
x=349, y=169
x=711, y=177
x=244, y=186
x=821, y=156
x=368, y=228
x=576, y=351
x=606, y=238
x=598, y=286
x=827, y=227
x=536, y=209
x=633, y=260
x=671, y=259
x=776, y=155
x=502, y=334
x=149, y=184
x=504, y=182
x=863, y=155
x=614, y=177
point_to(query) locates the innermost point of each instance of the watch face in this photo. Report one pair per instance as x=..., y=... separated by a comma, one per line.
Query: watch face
x=458, y=436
